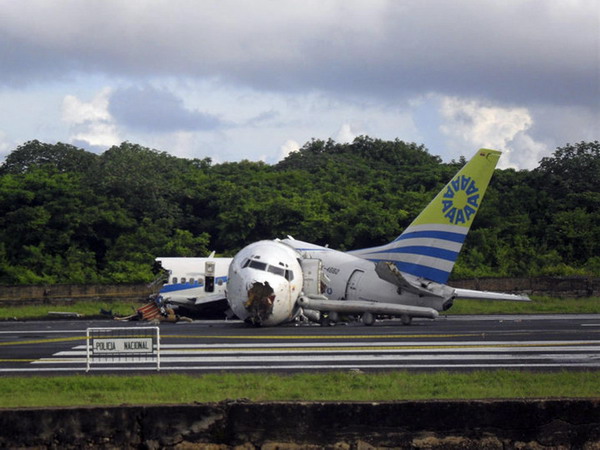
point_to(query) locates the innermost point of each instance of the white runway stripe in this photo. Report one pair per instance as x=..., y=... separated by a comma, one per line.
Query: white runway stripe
x=327, y=355
x=375, y=344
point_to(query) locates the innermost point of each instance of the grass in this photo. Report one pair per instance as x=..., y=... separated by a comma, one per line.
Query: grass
x=332, y=386
x=538, y=305
x=85, y=308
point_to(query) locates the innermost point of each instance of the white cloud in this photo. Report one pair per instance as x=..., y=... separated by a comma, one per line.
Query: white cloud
x=345, y=135
x=76, y=111
x=472, y=124
x=4, y=145
x=288, y=147
x=90, y=122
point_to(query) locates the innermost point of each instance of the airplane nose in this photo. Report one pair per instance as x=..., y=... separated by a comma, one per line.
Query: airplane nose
x=259, y=305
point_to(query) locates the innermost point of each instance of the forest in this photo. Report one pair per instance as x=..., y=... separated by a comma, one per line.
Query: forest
x=68, y=215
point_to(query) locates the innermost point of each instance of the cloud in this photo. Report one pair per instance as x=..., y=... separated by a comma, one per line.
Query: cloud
x=345, y=134
x=471, y=124
x=234, y=80
x=4, y=145
x=90, y=123
x=540, y=50
x=157, y=111
x=288, y=147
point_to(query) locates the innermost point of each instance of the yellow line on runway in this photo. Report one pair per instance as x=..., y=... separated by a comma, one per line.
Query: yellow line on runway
x=326, y=337
x=42, y=341
x=18, y=360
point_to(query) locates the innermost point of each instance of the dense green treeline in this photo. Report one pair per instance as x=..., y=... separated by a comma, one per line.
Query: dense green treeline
x=71, y=216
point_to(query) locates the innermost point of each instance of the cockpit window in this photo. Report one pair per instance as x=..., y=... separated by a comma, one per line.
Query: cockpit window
x=257, y=265
x=276, y=270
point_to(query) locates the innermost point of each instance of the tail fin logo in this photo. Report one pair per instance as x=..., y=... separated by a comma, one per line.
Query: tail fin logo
x=461, y=200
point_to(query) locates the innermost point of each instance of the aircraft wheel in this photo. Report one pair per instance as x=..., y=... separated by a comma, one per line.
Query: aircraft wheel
x=368, y=318
x=406, y=319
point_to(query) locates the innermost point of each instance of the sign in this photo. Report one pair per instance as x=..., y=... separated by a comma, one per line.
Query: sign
x=127, y=345
x=131, y=348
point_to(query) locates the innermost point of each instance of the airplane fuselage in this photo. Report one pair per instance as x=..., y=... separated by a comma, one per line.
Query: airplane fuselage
x=350, y=277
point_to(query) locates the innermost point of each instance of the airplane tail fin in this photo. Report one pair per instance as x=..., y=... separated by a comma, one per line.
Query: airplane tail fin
x=429, y=246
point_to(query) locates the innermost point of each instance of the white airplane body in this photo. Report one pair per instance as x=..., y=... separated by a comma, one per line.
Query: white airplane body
x=194, y=281
x=273, y=282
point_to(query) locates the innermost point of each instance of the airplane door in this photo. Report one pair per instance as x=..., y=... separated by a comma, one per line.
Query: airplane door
x=209, y=276
x=352, y=286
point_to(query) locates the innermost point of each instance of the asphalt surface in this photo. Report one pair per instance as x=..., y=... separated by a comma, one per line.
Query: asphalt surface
x=538, y=342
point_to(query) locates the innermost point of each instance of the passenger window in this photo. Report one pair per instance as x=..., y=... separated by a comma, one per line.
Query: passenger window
x=182, y=280
x=191, y=281
x=174, y=280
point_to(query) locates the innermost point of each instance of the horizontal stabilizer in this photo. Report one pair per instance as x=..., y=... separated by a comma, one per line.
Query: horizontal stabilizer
x=470, y=294
x=360, y=306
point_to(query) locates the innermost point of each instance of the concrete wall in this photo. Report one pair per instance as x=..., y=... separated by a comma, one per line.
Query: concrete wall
x=68, y=292
x=492, y=424
x=555, y=286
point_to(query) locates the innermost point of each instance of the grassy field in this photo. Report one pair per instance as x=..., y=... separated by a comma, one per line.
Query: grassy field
x=333, y=386
x=85, y=308
x=538, y=305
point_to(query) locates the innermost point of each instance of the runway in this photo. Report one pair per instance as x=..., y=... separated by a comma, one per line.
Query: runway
x=543, y=342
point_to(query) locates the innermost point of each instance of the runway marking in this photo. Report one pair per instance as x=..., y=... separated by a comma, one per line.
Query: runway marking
x=580, y=353
x=326, y=337
x=41, y=341
x=42, y=331
x=375, y=348
x=83, y=337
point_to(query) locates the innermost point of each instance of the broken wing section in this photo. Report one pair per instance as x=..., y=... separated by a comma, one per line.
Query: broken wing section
x=389, y=272
x=471, y=294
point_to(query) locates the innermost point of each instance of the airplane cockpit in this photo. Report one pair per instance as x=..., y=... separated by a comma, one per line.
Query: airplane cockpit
x=276, y=269
x=264, y=282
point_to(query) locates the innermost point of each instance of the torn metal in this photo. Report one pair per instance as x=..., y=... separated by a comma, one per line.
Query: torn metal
x=261, y=299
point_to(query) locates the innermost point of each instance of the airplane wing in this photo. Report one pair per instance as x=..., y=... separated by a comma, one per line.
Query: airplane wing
x=389, y=272
x=471, y=294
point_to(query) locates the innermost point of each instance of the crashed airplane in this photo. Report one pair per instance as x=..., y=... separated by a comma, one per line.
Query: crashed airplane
x=272, y=282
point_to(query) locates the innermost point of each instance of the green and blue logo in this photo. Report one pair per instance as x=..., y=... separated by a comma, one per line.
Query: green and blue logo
x=461, y=200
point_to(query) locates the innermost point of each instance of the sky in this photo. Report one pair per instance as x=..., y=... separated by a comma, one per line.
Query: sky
x=257, y=79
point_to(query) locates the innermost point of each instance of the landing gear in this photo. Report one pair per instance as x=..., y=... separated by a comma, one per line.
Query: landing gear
x=405, y=319
x=329, y=319
x=368, y=318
